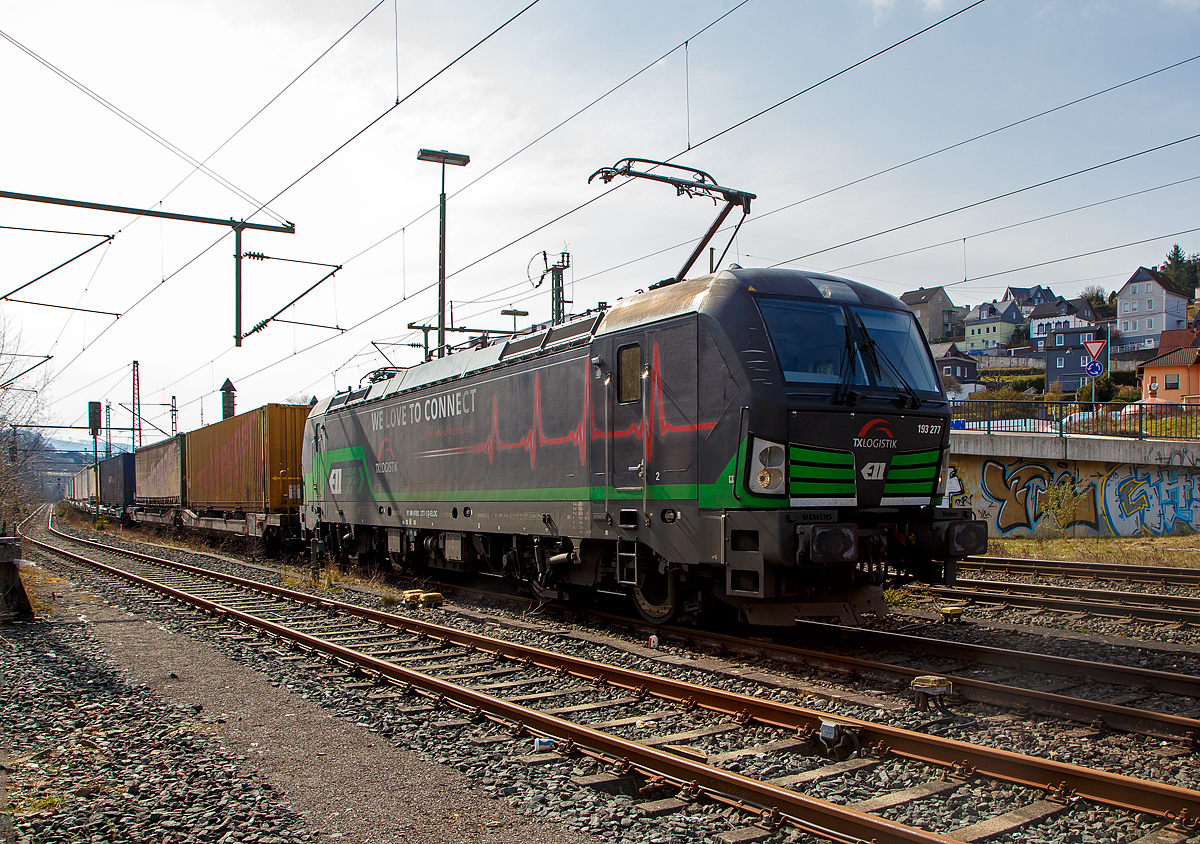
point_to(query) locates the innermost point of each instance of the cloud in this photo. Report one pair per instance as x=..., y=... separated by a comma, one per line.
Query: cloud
x=882, y=8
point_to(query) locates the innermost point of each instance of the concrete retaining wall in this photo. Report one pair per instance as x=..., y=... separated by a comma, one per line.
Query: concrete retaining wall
x=1130, y=487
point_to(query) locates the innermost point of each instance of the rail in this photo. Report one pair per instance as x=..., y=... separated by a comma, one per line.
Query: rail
x=1159, y=419
x=1123, y=572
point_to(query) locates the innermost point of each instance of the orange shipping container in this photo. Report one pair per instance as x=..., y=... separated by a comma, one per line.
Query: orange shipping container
x=249, y=462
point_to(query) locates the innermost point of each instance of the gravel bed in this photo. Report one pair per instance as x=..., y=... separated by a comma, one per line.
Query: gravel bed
x=94, y=758
x=1120, y=645
x=1104, y=584
x=487, y=755
x=968, y=804
x=169, y=741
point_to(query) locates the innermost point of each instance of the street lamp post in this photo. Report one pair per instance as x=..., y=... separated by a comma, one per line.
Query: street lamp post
x=442, y=157
x=514, y=313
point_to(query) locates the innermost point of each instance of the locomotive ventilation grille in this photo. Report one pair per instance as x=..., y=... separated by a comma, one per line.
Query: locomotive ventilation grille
x=911, y=478
x=821, y=477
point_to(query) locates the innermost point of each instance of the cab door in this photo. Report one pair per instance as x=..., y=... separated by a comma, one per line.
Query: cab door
x=629, y=430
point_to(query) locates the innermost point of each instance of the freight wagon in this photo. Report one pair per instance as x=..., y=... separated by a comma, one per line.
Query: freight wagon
x=81, y=488
x=240, y=475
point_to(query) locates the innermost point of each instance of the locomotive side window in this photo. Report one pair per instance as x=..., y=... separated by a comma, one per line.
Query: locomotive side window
x=629, y=373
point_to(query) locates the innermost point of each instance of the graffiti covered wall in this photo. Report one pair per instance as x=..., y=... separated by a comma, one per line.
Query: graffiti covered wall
x=1120, y=499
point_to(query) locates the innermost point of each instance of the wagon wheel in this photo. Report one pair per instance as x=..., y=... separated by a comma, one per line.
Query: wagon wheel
x=656, y=594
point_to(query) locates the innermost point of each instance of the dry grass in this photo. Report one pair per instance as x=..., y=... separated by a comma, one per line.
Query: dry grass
x=1131, y=550
x=41, y=588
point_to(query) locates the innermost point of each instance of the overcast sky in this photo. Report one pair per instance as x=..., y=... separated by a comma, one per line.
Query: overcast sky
x=114, y=103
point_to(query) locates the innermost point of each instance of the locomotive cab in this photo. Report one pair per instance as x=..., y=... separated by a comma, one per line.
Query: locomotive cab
x=845, y=442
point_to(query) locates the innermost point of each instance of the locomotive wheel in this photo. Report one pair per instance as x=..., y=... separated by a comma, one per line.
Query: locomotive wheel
x=656, y=595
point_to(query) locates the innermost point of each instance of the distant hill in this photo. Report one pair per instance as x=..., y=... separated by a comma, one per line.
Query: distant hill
x=82, y=445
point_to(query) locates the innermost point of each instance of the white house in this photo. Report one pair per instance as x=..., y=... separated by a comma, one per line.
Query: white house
x=1148, y=303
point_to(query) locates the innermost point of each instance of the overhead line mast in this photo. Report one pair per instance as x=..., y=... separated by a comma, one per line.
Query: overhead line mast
x=237, y=225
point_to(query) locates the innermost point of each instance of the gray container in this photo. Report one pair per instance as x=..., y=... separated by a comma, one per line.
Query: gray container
x=159, y=473
x=117, y=481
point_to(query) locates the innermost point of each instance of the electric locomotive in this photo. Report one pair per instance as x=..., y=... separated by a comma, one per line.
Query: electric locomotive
x=768, y=441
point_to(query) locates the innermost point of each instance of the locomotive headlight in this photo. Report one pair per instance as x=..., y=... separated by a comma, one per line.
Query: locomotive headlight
x=771, y=456
x=769, y=479
x=766, y=467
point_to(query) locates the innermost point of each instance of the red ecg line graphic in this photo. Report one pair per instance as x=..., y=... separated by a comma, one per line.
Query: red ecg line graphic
x=535, y=437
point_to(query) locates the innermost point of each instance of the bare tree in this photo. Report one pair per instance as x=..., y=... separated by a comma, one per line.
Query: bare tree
x=22, y=461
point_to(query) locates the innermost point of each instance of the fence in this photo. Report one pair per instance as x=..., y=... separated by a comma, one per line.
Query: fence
x=1155, y=420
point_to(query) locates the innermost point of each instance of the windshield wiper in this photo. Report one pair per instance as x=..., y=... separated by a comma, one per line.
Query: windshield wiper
x=877, y=354
x=844, y=394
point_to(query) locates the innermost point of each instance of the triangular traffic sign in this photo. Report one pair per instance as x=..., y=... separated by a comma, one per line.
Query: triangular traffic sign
x=1094, y=347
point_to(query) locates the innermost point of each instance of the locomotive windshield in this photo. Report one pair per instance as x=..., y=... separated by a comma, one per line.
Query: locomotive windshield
x=832, y=343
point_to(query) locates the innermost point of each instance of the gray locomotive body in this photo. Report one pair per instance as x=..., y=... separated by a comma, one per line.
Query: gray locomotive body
x=768, y=440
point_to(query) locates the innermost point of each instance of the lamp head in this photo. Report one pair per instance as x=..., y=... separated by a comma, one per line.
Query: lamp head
x=443, y=157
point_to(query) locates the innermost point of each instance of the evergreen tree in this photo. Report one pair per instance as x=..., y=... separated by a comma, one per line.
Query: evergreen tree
x=1183, y=271
x=1099, y=300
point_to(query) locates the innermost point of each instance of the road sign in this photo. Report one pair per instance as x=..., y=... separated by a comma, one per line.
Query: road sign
x=1094, y=369
x=1094, y=348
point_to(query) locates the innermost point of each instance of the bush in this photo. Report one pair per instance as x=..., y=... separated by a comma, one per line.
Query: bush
x=1062, y=501
x=1004, y=394
x=1020, y=385
x=1104, y=390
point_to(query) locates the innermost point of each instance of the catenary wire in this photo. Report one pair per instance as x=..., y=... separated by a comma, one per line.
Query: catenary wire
x=401, y=100
x=978, y=137
x=1000, y=196
x=728, y=129
x=831, y=77
x=583, y=205
x=134, y=122
x=759, y=217
x=273, y=99
x=1074, y=257
x=50, y=231
x=1016, y=225
x=388, y=308
x=195, y=258
x=238, y=131
x=554, y=128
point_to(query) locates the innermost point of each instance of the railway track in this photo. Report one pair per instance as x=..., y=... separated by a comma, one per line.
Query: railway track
x=1125, y=573
x=1119, y=697
x=570, y=700
x=1183, y=609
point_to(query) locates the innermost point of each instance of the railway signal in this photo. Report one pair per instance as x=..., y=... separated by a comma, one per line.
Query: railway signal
x=94, y=426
